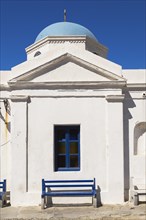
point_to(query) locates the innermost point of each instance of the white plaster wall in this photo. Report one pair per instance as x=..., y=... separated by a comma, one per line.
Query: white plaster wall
x=5, y=140
x=50, y=112
x=18, y=153
x=85, y=55
x=54, y=47
x=69, y=72
x=4, y=143
x=101, y=127
x=115, y=157
x=137, y=114
x=4, y=76
x=135, y=75
x=99, y=154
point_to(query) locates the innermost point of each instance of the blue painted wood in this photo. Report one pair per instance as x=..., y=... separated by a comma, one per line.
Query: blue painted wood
x=68, y=139
x=83, y=189
x=59, y=185
x=71, y=193
x=3, y=189
x=69, y=181
x=3, y=185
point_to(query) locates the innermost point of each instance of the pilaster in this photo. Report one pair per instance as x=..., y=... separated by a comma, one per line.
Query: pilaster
x=19, y=144
x=115, y=148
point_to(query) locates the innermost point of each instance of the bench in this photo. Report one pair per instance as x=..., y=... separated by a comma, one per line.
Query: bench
x=3, y=194
x=59, y=188
x=137, y=190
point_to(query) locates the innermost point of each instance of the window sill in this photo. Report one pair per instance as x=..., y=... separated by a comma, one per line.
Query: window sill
x=67, y=169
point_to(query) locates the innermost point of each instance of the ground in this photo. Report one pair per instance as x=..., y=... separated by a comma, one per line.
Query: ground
x=105, y=212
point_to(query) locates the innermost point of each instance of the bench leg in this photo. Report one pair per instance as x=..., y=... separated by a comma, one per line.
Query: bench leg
x=42, y=202
x=136, y=199
x=94, y=201
x=3, y=202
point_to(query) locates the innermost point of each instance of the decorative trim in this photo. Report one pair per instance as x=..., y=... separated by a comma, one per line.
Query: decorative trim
x=19, y=98
x=67, y=85
x=115, y=98
x=4, y=87
x=55, y=39
x=68, y=96
x=136, y=86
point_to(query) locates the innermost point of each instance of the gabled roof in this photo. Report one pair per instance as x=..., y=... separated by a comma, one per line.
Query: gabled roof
x=37, y=77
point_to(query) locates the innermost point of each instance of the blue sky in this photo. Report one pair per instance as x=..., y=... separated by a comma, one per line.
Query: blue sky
x=118, y=24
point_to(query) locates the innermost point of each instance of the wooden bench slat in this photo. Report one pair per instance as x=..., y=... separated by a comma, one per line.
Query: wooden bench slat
x=46, y=185
x=83, y=188
x=71, y=193
x=68, y=181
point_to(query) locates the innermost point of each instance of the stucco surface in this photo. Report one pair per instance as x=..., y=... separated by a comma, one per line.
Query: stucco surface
x=68, y=84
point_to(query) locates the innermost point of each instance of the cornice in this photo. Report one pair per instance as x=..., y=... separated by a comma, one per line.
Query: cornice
x=56, y=39
x=4, y=87
x=67, y=85
x=136, y=86
x=115, y=98
x=19, y=98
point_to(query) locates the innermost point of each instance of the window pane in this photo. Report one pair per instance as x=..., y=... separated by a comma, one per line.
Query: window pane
x=74, y=161
x=61, y=161
x=61, y=134
x=73, y=147
x=67, y=142
x=61, y=148
x=74, y=133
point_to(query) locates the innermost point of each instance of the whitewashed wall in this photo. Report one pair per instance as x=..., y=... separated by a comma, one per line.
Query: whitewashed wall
x=97, y=150
x=106, y=124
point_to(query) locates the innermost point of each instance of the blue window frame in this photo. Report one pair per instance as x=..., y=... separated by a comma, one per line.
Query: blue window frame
x=67, y=147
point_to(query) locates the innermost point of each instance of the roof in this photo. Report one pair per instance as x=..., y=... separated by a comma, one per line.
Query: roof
x=65, y=29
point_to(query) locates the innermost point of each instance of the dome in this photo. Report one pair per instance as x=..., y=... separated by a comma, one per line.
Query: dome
x=65, y=29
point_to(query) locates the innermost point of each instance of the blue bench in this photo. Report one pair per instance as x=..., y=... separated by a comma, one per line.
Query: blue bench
x=3, y=193
x=68, y=188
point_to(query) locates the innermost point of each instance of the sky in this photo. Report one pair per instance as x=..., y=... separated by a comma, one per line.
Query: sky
x=120, y=25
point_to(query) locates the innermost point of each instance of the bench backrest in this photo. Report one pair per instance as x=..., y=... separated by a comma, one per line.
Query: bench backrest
x=84, y=184
x=3, y=186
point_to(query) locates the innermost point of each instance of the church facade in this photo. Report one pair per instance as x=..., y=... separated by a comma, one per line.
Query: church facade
x=68, y=112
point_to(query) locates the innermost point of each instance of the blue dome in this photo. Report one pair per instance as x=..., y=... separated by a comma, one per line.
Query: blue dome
x=65, y=29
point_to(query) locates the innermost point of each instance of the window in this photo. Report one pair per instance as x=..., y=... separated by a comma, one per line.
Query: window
x=67, y=148
x=37, y=53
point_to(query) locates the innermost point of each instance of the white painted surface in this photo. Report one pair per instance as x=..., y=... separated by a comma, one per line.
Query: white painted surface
x=107, y=119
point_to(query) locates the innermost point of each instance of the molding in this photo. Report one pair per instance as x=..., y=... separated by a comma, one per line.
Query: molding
x=115, y=98
x=68, y=96
x=67, y=85
x=4, y=87
x=136, y=86
x=55, y=39
x=19, y=98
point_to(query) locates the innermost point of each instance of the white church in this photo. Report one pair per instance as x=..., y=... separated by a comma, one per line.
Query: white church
x=68, y=113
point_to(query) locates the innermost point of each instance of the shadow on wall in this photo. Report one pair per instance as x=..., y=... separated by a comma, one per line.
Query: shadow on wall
x=140, y=138
x=49, y=202
x=128, y=103
x=6, y=112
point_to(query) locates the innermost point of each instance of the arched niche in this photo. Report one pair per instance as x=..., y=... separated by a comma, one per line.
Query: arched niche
x=140, y=138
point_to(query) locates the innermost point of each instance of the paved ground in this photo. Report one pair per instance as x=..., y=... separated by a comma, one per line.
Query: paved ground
x=106, y=212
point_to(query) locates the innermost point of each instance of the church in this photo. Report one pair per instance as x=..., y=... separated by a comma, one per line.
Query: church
x=68, y=113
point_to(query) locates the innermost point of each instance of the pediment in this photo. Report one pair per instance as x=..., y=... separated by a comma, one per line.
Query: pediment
x=66, y=68
x=69, y=71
